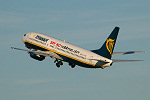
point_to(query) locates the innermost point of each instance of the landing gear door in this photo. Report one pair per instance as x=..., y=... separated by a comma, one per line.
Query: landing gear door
x=90, y=60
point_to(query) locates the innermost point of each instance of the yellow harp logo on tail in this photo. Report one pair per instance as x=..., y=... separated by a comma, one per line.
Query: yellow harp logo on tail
x=110, y=45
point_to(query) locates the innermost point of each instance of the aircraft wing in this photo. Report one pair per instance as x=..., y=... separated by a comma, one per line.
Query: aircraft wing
x=128, y=52
x=39, y=52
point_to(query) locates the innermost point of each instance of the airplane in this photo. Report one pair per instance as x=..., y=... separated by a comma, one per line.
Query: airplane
x=41, y=46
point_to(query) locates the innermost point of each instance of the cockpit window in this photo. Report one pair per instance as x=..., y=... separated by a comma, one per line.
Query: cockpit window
x=24, y=34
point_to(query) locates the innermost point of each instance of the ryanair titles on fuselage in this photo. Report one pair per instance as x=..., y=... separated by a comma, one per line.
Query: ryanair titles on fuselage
x=41, y=38
x=58, y=46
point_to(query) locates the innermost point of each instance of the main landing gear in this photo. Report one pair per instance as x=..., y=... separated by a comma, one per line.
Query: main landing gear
x=58, y=63
x=72, y=65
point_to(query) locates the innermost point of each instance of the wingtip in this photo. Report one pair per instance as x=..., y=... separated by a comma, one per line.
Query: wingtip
x=12, y=47
x=139, y=51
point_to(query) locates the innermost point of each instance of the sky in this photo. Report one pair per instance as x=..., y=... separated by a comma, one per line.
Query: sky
x=87, y=24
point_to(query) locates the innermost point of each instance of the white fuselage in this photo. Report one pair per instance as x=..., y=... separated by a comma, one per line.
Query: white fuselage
x=66, y=51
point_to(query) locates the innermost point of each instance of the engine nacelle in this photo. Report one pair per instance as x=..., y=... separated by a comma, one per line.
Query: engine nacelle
x=37, y=57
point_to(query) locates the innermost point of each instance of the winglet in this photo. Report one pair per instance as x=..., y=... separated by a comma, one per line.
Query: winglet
x=12, y=47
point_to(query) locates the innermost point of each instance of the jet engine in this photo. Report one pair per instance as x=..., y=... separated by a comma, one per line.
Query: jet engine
x=37, y=57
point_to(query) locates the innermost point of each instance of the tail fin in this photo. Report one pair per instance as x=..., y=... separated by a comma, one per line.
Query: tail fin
x=107, y=49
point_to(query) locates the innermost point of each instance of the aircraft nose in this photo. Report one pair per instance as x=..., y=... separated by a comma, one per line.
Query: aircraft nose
x=24, y=37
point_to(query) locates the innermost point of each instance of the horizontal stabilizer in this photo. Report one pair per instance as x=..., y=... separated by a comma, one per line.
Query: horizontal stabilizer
x=126, y=60
x=128, y=52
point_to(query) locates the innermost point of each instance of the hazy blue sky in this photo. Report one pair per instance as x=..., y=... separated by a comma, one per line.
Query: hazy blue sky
x=85, y=23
